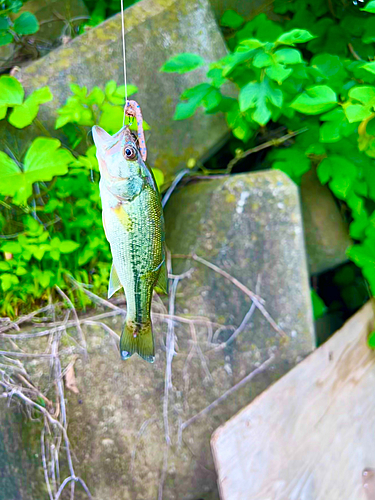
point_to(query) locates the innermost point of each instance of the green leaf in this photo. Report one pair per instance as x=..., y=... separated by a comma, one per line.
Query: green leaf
x=315, y=100
x=183, y=63
x=231, y=19
x=364, y=94
x=262, y=60
x=292, y=161
x=319, y=307
x=195, y=96
x=3, y=112
x=26, y=24
x=4, y=23
x=295, y=36
x=68, y=246
x=44, y=159
x=23, y=115
x=370, y=7
x=248, y=96
x=278, y=72
x=249, y=44
x=357, y=113
x=369, y=67
x=5, y=38
x=288, y=56
x=159, y=177
x=8, y=280
x=41, y=96
x=371, y=337
x=11, y=91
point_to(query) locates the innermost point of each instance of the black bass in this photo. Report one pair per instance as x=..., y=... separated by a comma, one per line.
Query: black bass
x=134, y=226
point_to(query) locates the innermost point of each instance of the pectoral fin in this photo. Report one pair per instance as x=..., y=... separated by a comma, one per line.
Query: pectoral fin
x=162, y=282
x=114, y=282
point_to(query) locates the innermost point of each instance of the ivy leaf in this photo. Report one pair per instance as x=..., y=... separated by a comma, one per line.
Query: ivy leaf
x=341, y=171
x=262, y=60
x=26, y=24
x=44, y=159
x=369, y=66
x=294, y=36
x=364, y=94
x=370, y=7
x=183, y=63
x=11, y=91
x=8, y=280
x=231, y=19
x=336, y=126
x=288, y=56
x=259, y=95
x=315, y=100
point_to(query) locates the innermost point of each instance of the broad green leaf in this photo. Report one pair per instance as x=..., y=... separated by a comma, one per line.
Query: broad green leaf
x=44, y=159
x=11, y=91
x=248, y=96
x=262, y=60
x=370, y=7
x=341, y=171
x=41, y=96
x=23, y=115
x=278, y=72
x=68, y=246
x=369, y=67
x=295, y=36
x=26, y=24
x=259, y=95
x=288, y=56
x=292, y=161
x=183, y=63
x=3, y=112
x=231, y=19
x=357, y=113
x=8, y=280
x=315, y=100
x=364, y=94
x=159, y=177
x=250, y=44
x=5, y=38
x=4, y=23
x=195, y=96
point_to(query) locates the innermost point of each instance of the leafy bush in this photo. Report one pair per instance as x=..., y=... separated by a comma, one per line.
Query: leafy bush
x=52, y=219
x=314, y=72
x=13, y=31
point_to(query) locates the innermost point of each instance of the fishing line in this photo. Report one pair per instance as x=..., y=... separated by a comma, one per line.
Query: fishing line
x=124, y=57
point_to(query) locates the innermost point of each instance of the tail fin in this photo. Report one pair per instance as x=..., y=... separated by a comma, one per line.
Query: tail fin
x=137, y=338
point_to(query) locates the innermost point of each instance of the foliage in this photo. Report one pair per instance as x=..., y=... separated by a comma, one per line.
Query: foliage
x=313, y=71
x=52, y=223
x=102, y=9
x=12, y=28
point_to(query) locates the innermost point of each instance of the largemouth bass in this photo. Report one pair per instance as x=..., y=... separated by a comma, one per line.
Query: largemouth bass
x=134, y=226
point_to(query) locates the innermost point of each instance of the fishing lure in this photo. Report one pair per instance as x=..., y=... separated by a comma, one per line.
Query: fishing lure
x=134, y=226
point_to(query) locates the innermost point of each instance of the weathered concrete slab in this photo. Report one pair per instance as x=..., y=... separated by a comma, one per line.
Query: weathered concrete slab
x=155, y=31
x=251, y=227
x=310, y=435
x=326, y=233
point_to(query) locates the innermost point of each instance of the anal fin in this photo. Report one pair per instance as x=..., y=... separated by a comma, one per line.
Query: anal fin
x=114, y=282
x=161, y=285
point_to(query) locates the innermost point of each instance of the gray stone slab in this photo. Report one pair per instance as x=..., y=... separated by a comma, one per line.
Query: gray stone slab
x=250, y=225
x=155, y=31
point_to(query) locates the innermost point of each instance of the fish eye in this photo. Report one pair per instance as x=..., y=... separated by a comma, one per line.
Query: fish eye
x=130, y=152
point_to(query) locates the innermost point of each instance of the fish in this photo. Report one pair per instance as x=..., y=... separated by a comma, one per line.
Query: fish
x=134, y=227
